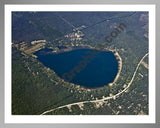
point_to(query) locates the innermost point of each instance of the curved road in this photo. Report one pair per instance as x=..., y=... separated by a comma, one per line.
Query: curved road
x=101, y=100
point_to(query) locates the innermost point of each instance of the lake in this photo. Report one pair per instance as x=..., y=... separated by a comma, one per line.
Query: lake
x=89, y=68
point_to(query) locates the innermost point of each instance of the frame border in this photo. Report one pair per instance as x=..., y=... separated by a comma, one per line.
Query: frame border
x=2, y=3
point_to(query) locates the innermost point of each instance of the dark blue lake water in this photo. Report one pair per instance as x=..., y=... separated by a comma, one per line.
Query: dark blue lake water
x=86, y=67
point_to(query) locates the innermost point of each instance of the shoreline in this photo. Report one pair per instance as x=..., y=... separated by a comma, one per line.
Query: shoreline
x=119, y=61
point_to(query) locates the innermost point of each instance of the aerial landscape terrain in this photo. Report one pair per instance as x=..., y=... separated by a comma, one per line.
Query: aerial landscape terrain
x=80, y=63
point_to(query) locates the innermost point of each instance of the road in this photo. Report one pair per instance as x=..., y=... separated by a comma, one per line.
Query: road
x=103, y=99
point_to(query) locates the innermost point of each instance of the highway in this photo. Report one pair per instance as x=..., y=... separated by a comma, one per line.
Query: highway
x=105, y=98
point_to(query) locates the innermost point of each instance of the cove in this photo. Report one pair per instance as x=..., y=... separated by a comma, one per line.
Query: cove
x=100, y=71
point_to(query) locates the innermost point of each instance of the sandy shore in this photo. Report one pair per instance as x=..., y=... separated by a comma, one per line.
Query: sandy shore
x=119, y=59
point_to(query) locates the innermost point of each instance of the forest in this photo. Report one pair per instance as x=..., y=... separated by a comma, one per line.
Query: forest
x=36, y=88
